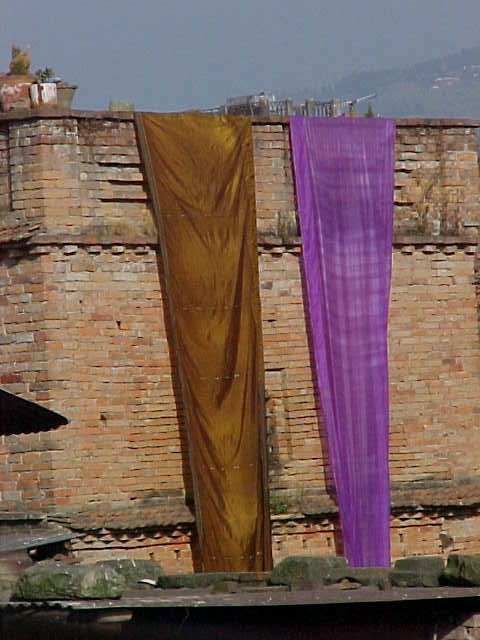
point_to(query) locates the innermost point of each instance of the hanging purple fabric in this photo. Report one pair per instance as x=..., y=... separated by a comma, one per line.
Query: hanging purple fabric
x=344, y=179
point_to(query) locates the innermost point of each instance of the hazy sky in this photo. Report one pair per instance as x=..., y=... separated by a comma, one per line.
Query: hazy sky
x=166, y=55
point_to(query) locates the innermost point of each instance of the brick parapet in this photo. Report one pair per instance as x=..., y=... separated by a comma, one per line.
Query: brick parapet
x=436, y=181
x=54, y=113
x=94, y=172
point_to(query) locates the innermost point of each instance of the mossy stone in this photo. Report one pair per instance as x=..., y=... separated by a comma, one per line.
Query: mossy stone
x=134, y=570
x=296, y=570
x=376, y=576
x=420, y=564
x=399, y=578
x=66, y=582
x=462, y=570
x=195, y=580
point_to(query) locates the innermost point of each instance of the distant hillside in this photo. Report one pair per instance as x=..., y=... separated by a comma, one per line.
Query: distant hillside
x=444, y=87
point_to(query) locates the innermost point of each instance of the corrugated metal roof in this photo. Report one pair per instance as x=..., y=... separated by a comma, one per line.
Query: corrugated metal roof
x=23, y=416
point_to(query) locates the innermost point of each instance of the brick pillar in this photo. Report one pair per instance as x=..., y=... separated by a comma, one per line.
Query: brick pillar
x=39, y=187
x=45, y=172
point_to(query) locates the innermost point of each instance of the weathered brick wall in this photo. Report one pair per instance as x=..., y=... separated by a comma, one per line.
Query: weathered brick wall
x=434, y=349
x=109, y=372
x=435, y=364
x=436, y=180
x=83, y=330
x=4, y=170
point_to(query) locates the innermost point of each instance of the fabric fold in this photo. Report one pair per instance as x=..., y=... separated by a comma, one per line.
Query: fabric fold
x=201, y=174
x=344, y=176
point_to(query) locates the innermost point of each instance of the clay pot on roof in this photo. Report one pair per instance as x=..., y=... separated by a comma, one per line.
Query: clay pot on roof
x=65, y=93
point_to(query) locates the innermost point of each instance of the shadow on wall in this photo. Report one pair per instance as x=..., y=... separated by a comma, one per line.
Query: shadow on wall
x=327, y=472
x=180, y=411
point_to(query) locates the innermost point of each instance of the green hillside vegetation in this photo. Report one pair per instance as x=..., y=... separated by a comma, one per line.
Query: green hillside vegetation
x=444, y=87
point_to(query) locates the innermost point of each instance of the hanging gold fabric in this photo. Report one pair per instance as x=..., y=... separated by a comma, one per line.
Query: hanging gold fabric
x=201, y=175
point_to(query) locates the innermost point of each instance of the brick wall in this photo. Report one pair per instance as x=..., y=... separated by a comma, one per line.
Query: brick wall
x=83, y=331
x=4, y=170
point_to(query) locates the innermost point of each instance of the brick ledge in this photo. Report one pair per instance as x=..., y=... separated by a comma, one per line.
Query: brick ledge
x=457, y=498
x=30, y=238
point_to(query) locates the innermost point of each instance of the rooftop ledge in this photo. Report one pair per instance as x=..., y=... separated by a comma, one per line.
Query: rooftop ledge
x=267, y=597
x=55, y=113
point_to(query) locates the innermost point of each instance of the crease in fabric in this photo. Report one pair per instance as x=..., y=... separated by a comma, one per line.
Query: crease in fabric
x=201, y=174
x=344, y=177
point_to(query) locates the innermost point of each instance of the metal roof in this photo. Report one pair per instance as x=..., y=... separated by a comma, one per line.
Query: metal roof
x=34, y=538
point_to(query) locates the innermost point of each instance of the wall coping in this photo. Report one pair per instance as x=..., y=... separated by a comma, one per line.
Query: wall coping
x=264, y=240
x=54, y=113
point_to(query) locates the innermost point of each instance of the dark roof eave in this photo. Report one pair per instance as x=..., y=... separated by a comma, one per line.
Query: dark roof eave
x=18, y=415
